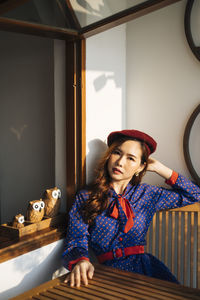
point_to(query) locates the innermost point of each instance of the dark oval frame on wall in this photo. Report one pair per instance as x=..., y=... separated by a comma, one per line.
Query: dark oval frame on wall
x=186, y=149
x=187, y=23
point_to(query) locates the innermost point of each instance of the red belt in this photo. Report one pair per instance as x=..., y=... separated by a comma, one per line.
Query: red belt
x=116, y=253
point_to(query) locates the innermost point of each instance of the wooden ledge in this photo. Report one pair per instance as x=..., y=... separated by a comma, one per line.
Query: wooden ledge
x=11, y=248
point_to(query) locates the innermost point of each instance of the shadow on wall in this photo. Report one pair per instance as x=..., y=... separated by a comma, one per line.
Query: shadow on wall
x=101, y=81
x=96, y=149
x=38, y=268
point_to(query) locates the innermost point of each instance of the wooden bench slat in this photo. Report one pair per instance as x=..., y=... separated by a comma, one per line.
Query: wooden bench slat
x=87, y=292
x=144, y=292
x=52, y=294
x=40, y=297
x=139, y=279
x=70, y=293
x=134, y=285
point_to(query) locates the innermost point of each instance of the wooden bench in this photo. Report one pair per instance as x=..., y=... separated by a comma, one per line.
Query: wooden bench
x=174, y=238
x=110, y=283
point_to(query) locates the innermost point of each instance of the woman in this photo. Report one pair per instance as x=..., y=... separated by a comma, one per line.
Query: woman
x=113, y=215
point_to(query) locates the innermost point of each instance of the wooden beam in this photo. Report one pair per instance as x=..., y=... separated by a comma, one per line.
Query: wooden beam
x=75, y=118
x=72, y=16
x=81, y=113
x=37, y=29
x=70, y=122
x=125, y=16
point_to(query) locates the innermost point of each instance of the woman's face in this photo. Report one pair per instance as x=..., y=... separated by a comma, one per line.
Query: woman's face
x=125, y=161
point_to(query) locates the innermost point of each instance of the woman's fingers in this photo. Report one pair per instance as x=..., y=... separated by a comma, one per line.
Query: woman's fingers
x=91, y=272
x=66, y=279
x=84, y=276
x=72, y=279
x=77, y=276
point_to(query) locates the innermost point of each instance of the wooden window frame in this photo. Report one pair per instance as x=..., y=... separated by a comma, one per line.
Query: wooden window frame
x=75, y=99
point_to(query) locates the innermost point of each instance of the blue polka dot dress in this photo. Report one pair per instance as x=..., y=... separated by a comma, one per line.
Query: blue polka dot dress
x=107, y=233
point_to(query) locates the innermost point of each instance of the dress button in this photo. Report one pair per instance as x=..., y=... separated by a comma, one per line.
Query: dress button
x=120, y=239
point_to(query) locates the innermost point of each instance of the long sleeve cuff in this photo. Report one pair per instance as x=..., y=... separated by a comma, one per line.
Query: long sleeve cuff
x=172, y=180
x=73, y=262
x=74, y=256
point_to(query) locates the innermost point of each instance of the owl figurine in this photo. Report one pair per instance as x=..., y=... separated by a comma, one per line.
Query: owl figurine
x=35, y=211
x=51, y=198
x=18, y=221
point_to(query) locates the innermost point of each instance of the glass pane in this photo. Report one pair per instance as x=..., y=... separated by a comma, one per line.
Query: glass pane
x=46, y=12
x=90, y=11
x=27, y=118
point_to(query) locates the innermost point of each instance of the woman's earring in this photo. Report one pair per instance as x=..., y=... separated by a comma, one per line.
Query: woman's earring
x=136, y=174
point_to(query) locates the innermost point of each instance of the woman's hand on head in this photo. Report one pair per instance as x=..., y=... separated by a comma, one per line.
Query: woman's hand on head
x=153, y=164
x=156, y=166
x=81, y=272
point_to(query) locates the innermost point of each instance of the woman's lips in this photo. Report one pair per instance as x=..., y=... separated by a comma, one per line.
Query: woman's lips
x=116, y=171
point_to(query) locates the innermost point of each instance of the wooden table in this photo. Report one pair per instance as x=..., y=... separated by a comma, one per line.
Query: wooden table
x=110, y=283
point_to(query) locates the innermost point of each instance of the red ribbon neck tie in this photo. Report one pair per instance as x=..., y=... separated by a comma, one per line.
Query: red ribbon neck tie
x=127, y=210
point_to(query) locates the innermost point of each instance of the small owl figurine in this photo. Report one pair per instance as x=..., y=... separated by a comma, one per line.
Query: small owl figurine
x=18, y=221
x=35, y=211
x=52, y=201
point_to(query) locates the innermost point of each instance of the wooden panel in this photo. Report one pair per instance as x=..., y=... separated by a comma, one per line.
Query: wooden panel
x=179, y=245
x=153, y=235
x=166, y=238
x=192, y=250
x=185, y=247
x=173, y=247
x=160, y=221
x=110, y=283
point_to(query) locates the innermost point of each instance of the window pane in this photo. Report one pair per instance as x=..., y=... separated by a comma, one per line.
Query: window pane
x=27, y=121
x=90, y=11
x=46, y=12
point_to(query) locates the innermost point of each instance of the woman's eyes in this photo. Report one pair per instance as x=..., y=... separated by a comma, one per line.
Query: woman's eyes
x=116, y=152
x=131, y=158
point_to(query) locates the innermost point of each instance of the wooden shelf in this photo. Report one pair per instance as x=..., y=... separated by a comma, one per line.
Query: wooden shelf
x=13, y=247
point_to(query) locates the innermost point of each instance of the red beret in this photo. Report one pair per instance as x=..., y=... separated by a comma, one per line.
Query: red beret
x=150, y=143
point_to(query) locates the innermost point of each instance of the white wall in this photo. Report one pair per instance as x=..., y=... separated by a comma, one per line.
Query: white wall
x=163, y=80
x=29, y=270
x=105, y=90
x=143, y=75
